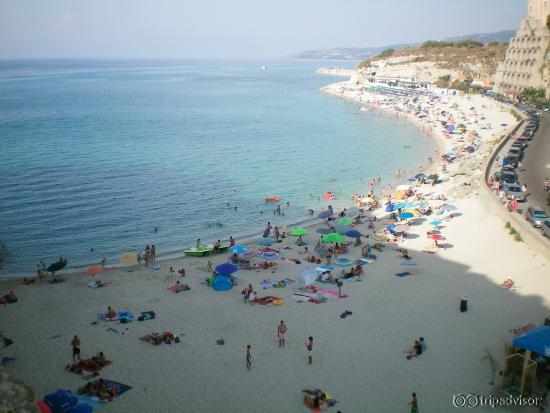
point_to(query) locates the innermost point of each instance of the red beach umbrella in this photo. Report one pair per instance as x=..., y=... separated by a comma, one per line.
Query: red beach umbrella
x=436, y=237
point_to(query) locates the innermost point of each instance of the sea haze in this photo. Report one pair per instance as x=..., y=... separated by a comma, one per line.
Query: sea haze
x=96, y=154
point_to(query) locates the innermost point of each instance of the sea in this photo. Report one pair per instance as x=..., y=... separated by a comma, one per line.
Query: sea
x=97, y=154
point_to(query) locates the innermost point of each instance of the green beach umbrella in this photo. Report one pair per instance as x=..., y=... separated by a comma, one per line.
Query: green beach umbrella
x=345, y=221
x=333, y=238
x=298, y=231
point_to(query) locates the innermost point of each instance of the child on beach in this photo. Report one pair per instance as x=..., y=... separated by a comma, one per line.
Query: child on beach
x=76, y=347
x=309, y=347
x=248, y=357
x=281, y=330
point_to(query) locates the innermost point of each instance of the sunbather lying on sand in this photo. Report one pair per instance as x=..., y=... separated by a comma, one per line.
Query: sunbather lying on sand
x=29, y=281
x=157, y=339
x=180, y=287
x=9, y=298
x=507, y=283
x=356, y=271
x=98, y=388
x=265, y=300
x=403, y=253
x=93, y=364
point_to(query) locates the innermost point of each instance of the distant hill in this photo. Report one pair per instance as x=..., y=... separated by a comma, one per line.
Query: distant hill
x=363, y=53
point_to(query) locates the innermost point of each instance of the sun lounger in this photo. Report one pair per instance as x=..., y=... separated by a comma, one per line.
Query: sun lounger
x=518, y=331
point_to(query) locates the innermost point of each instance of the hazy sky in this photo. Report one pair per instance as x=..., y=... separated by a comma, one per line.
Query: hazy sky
x=236, y=28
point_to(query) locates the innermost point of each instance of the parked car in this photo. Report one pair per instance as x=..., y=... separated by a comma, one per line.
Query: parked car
x=509, y=161
x=513, y=191
x=509, y=177
x=515, y=152
x=545, y=228
x=536, y=216
x=519, y=145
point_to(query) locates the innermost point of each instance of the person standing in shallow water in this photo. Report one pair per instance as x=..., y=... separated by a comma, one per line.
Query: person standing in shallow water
x=76, y=347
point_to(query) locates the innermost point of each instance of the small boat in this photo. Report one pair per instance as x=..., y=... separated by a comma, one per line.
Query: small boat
x=263, y=67
x=273, y=198
x=200, y=251
x=56, y=266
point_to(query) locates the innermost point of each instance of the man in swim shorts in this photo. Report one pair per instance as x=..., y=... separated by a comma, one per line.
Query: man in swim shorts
x=281, y=330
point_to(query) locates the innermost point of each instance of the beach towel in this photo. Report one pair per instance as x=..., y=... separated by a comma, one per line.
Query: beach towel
x=154, y=267
x=409, y=263
x=404, y=274
x=177, y=289
x=96, y=403
x=120, y=315
x=331, y=294
x=146, y=315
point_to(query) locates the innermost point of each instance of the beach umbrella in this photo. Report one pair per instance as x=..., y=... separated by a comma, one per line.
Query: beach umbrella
x=93, y=270
x=323, y=231
x=265, y=241
x=403, y=205
x=298, y=231
x=333, y=238
x=269, y=255
x=448, y=207
x=351, y=212
x=401, y=226
x=345, y=221
x=411, y=179
x=307, y=277
x=436, y=237
x=421, y=176
x=352, y=233
x=436, y=223
x=325, y=214
x=406, y=215
x=320, y=249
x=390, y=207
x=412, y=211
x=238, y=249
x=341, y=229
x=222, y=283
x=128, y=258
x=343, y=262
x=378, y=237
x=390, y=227
x=226, y=269
x=56, y=266
x=361, y=261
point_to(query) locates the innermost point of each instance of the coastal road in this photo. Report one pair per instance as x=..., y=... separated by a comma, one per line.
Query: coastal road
x=536, y=164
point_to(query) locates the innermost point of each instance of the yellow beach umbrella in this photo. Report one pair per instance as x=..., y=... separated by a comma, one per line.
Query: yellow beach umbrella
x=413, y=211
x=128, y=258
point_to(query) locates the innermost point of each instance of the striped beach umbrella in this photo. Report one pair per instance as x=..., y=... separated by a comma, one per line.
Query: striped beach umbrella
x=343, y=262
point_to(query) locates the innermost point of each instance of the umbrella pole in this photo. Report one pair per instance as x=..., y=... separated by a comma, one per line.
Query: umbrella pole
x=526, y=359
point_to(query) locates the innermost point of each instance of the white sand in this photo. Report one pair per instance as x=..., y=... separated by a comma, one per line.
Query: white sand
x=358, y=360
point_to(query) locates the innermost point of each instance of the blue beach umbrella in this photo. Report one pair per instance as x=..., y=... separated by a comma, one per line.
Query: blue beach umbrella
x=342, y=229
x=436, y=223
x=226, y=269
x=238, y=249
x=406, y=215
x=343, y=262
x=325, y=214
x=411, y=179
x=421, y=176
x=352, y=233
x=266, y=242
x=390, y=227
x=449, y=207
x=351, y=212
x=390, y=207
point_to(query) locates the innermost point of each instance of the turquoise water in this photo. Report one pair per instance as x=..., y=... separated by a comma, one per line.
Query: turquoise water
x=96, y=154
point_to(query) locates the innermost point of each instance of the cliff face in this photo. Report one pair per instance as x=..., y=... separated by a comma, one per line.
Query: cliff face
x=430, y=63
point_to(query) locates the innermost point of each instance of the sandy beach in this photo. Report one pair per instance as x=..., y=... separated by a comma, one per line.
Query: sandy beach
x=359, y=360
